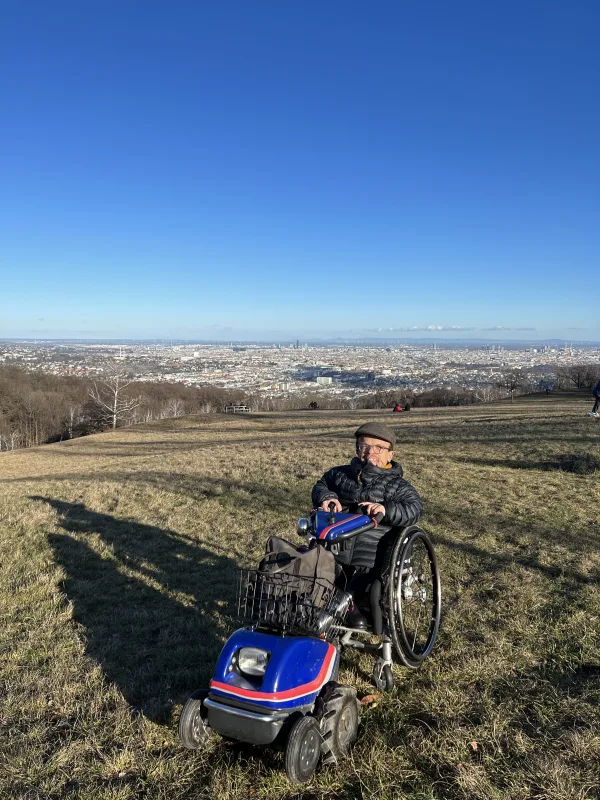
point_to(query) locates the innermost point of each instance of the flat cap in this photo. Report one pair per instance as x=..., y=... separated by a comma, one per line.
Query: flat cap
x=377, y=431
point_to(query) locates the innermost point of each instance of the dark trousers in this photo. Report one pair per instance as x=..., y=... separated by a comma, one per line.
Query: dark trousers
x=596, y=404
x=362, y=561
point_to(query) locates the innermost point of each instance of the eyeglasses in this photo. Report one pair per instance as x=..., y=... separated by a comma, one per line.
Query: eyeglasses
x=374, y=448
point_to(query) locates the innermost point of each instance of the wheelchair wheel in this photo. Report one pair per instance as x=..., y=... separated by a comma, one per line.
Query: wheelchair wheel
x=383, y=678
x=414, y=597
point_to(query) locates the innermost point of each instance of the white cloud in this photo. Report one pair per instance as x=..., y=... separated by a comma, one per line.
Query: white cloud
x=506, y=328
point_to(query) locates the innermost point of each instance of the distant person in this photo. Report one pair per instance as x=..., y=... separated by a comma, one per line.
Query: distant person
x=370, y=484
x=397, y=408
x=407, y=407
x=596, y=395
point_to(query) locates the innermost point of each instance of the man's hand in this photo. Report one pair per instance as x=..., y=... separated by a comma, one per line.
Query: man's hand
x=372, y=509
x=326, y=503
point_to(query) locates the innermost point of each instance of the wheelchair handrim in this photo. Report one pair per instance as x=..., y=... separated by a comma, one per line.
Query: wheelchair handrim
x=400, y=566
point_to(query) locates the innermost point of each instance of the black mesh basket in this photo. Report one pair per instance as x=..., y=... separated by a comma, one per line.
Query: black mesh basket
x=286, y=603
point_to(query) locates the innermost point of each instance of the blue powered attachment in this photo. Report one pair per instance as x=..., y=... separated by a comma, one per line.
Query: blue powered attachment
x=344, y=524
x=297, y=669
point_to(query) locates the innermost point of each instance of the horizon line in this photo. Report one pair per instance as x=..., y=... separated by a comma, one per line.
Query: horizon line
x=339, y=340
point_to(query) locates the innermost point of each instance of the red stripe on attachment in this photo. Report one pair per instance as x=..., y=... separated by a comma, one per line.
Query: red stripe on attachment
x=325, y=531
x=289, y=694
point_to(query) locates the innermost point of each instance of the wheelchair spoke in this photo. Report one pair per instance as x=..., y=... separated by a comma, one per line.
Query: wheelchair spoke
x=414, y=597
x=417, y=626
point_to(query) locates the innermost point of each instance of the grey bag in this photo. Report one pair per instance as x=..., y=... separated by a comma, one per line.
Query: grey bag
x=293, y=589
x=300, y=580
x=282, y=556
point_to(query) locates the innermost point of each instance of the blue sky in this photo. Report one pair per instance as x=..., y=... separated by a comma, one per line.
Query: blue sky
x=244, y=170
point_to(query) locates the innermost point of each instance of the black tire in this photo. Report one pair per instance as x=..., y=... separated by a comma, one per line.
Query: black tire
x=303, y=750
x=193, y=728
x=414, y=597
x=339, y=722
x=384, y=682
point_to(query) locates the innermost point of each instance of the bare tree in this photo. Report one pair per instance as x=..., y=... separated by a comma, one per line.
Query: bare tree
x=562, y=377
x=578, y=376
x=110, y=398
x=486, y=394
x=510, y=382
x=354, y=402
x=589, y=377
x=10, y=439
x=175, y=408
x=73, y=419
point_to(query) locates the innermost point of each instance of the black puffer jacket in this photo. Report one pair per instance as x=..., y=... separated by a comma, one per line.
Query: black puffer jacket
x=354, y=483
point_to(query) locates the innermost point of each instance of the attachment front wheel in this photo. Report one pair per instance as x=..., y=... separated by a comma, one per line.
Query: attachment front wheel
x=339, y=722
x=193, y=727
x=303, y=750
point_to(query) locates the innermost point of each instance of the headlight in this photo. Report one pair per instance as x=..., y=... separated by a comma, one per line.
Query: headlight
x=253, y=660
x=303, y=526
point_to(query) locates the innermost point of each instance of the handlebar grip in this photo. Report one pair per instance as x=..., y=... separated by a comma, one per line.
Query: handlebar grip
x=378, y=517
x=331, y=517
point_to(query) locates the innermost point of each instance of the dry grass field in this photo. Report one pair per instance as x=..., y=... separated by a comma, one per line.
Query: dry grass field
x=118, y=556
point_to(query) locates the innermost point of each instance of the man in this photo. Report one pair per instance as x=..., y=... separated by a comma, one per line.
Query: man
x=596, y=394
x=372, y=484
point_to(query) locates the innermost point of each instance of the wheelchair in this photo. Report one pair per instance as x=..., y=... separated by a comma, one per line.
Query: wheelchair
x=275, y=681
x=401, y=591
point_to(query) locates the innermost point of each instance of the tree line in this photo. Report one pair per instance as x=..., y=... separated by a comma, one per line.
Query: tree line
x=37, y=408
x=577, y=376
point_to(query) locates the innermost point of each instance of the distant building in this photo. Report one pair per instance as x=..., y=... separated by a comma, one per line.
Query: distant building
x=324, y=381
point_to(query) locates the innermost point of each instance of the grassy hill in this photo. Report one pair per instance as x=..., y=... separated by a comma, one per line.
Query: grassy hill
x=118, y=554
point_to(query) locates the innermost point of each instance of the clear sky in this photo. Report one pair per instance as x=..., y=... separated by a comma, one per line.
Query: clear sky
x=245, y=169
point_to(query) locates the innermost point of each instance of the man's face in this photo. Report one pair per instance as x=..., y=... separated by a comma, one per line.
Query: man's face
x=374, y=451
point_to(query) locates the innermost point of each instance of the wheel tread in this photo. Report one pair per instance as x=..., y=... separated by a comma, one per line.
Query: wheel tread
x=193, y=707
x=333, y=703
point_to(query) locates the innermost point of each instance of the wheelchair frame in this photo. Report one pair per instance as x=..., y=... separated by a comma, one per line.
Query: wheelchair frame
x=399, y=586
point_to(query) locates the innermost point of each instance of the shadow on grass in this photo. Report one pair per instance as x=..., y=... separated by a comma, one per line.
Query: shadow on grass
x=524, y=544
x=482, y=431
x=575, y=463
x=251, y=496
x=492, y=562
x=151, y=604
x=130, y=449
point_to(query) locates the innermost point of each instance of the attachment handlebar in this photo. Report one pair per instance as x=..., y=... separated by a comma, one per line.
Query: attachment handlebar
x=331, y=517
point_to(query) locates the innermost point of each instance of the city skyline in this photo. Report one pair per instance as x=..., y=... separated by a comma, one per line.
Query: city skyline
x=416, y=335
x=292, y=369
x=277, y=171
